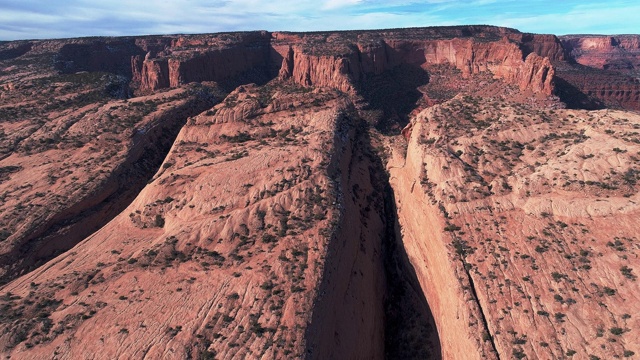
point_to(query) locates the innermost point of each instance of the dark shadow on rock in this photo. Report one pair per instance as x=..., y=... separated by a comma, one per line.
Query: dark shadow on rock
x=14, y=52
x=574, y=98
x=104, y=56
x=395, y=316
x=410, y=328
x=257, y=75
x=588, y=88
x=392, y=95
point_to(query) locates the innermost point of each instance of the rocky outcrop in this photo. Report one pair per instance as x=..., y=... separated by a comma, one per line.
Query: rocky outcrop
x=111, y=55
x=310, y=66
x=202, y=58
x=544, y=45
x=342, y=60
x=150, y=74
x=515, y=217
x=323, y=71
x=618, y=52
x=536, y=75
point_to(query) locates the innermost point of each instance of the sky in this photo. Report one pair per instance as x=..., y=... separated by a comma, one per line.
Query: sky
x=41, y=19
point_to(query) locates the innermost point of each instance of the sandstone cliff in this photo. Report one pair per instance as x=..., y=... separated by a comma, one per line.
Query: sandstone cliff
x=549, y=46
x=343, y=60
x=203, y=58
x=619, y=52
x=618, y=57
x=314, y=60
x=533, y=232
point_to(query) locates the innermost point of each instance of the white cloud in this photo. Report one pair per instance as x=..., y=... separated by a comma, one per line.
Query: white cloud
x=335, y=4
x=582, y=19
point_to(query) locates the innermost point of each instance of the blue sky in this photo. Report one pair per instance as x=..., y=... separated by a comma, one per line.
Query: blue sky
x=31, y=19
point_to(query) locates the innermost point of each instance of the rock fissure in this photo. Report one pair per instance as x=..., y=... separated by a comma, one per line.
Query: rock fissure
x=483, y=317
x=395, y=319
x=405, y=302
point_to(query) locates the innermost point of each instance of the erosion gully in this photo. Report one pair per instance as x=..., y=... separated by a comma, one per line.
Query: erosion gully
x=406, y=327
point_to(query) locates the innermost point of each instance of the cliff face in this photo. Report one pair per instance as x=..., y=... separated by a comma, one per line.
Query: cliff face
x=605, y=73
x=620, y=52
x=604, y=88
x=458, y=317
x=506, y=60
x=549, y=46
x=97, y=55
x=202, y=58
x=337, y=60
x=342, y=60
x=519, y=217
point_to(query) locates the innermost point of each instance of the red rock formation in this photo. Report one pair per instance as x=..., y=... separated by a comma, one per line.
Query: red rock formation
x=323, y=71
x=199, y=58
x=542, y=44
x=308, y=66
x=155, y=74
x=266, y=230
x=619, y=52
x=606, y=88
x=536, y=75
x=342, y=60
x=606, y=73
x=530, y=230
x=108, y=55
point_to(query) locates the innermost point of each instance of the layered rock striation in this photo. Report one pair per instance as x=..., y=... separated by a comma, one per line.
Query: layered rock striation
x=530, y=221
x=615, y=84
x=618, y=52
x=343, y=60
x=503, y=59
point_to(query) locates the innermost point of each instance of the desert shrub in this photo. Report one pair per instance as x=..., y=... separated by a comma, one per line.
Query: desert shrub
x=159, y=221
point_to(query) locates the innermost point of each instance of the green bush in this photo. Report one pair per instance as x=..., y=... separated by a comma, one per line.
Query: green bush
x=616, y=331
x=159, y=221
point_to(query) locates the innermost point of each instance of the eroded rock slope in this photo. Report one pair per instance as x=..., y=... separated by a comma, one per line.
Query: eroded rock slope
x=531, y=217
x=225, y=196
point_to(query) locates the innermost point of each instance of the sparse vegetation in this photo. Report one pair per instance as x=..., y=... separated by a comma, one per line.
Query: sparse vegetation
x=159, y=221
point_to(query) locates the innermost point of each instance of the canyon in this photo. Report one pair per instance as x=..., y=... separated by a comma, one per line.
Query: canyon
x=463, y=192
x=618, y=56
